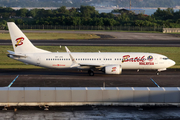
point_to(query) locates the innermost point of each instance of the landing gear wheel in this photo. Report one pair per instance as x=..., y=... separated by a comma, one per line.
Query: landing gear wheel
x=91, y=73
x=157, y=73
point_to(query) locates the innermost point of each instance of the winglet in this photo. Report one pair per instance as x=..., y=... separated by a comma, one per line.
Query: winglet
x=67, y=50
x=74, y=63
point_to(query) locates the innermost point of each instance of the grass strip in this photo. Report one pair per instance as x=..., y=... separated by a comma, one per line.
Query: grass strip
x=52, y=36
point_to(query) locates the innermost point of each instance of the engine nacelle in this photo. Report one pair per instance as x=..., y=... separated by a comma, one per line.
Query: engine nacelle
x=113, y=69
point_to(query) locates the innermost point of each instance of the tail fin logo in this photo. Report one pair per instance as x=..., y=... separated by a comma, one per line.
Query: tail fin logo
x=19, y=41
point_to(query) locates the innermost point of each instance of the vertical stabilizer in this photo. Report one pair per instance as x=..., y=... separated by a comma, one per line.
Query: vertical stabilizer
x=20, y=42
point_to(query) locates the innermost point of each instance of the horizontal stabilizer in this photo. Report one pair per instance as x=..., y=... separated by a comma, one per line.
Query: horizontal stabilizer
x=13, y=55
x=11, y=52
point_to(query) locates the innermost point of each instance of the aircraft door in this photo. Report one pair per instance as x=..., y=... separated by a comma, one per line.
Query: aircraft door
x=156, y=61
x=38, y=60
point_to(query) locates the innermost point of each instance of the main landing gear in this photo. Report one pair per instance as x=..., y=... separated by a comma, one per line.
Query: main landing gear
x=90, y=72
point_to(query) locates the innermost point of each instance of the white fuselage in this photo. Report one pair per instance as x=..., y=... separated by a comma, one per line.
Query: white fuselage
x=126, y=60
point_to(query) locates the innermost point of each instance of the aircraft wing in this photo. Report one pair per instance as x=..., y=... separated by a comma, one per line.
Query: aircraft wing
x=75, y=64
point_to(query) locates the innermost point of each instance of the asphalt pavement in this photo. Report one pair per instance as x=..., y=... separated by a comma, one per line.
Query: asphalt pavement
x=75, y=78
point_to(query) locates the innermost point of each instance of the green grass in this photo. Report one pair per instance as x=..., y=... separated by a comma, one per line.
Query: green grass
x=171, y=52
x=93, y=30
x=52, y=36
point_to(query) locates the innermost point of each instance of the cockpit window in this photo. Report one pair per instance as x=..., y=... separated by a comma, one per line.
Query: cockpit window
x=165, y=58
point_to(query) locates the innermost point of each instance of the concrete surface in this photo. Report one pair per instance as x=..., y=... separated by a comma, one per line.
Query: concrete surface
x=94, y=113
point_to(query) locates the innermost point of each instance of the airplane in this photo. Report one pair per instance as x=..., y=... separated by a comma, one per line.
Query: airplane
x=107, y=62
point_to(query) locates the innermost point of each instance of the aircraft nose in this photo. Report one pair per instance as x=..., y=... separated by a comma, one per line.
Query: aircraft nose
x=172, y=62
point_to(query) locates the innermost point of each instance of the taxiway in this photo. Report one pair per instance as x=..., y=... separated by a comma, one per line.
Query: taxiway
x=74, y=78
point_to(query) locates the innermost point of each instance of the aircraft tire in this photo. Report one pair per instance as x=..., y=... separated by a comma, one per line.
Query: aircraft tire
x=91, y=73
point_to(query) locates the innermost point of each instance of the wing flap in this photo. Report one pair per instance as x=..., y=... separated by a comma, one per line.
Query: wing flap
x=92, y=65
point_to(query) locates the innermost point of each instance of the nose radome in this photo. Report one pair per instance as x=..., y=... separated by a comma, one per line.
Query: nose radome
x=172, y=62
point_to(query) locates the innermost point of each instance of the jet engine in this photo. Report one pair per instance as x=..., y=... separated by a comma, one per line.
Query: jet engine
x=113, y=69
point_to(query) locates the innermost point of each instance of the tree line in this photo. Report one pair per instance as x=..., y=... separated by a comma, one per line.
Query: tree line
x=88, y=16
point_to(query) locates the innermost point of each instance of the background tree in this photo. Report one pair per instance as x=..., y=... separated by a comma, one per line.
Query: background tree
x=22, y=12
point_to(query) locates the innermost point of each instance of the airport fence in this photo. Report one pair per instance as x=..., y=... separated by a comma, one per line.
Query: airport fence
x=118, y=28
